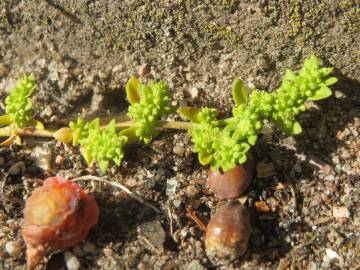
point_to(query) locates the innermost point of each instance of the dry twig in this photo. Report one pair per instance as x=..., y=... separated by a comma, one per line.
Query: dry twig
x=118, y=185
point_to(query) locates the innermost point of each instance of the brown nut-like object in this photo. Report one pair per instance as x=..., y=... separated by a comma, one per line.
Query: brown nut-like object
x=228, y=233
x=232, y=184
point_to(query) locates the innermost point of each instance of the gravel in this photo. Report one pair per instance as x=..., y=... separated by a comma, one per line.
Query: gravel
x=72, y=263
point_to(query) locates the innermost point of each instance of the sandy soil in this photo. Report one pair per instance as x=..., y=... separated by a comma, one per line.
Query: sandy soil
x=83, y=52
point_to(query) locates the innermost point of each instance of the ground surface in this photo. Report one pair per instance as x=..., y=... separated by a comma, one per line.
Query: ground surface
x=83, y=52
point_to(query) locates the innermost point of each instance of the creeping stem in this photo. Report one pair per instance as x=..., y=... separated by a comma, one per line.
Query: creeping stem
x=161, y=124
x=47, y=133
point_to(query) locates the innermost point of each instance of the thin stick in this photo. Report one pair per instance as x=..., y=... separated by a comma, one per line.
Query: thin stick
x=118, y=185
x=195, y=218
x=171, y=223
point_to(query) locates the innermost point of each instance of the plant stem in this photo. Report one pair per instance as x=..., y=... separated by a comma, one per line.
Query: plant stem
x=161, y=124
x=176, y=125
x=35, y=132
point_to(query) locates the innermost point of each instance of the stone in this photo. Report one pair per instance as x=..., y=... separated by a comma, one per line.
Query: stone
x=13, y=248
x=195, y=265
x=264, y=169
x=89, y=247
x=153, y=232
x=72, y=263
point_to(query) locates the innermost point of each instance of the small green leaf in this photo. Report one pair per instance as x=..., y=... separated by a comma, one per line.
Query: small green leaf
x=36, y=124
x=64, y=135
x=5, y=120
x=134, y=90
x=293, y=130
x=252, y=139
x=242, y=159
x=204, y=158
x=296, y=129
x=130, y=133
x=5, y=131
x=322, y=93
x=330, y=81
x=190, y=113
x=239, y=92
x=87, y=156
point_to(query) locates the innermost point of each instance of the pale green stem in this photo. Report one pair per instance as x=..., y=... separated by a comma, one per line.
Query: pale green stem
x=161, y=124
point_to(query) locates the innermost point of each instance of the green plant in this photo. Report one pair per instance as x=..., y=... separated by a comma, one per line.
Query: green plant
x=221, y=143
x=18, y=104
x=148, y=104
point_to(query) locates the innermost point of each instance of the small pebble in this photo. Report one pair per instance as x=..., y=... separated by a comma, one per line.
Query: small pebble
x=195, y=265
x=330, y=178
x=154, y=233
x=78, y=251
x=341, y=212
x=17, y=168
x=194, y=92
x=265, y=170
x=330, y=257
x=171, y=185
x=2, y=160
x=72, y=263
x=339, y=94
x=192, y=191
x=297, y=168
x=13, y=248
x=179, y=149
x=89, y=247
x=177, y=203
x=346, y=168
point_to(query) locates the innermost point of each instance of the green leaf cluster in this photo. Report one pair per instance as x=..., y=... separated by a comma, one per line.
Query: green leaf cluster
x=97, y=144
x=310, y=84
x=18, y=103
x=216, y=146
x=149, y=103
x=224, y=143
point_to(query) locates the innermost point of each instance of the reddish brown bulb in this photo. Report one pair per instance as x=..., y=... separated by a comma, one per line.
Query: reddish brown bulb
x=232, y=184
x=228, y=233
x=58, y=215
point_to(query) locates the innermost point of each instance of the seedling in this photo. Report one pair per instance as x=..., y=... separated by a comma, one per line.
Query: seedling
x=221, y=143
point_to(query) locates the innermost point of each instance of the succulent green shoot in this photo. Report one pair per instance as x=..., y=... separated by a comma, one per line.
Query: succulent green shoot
x=96, y=144
x=81, y=129
x=153, y=105
x=18, y=103
x=239, y=92
x=226, y=147
x=221, y=143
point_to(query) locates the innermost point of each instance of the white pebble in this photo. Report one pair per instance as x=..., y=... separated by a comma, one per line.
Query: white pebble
x=72, y=263
x=13, y=248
